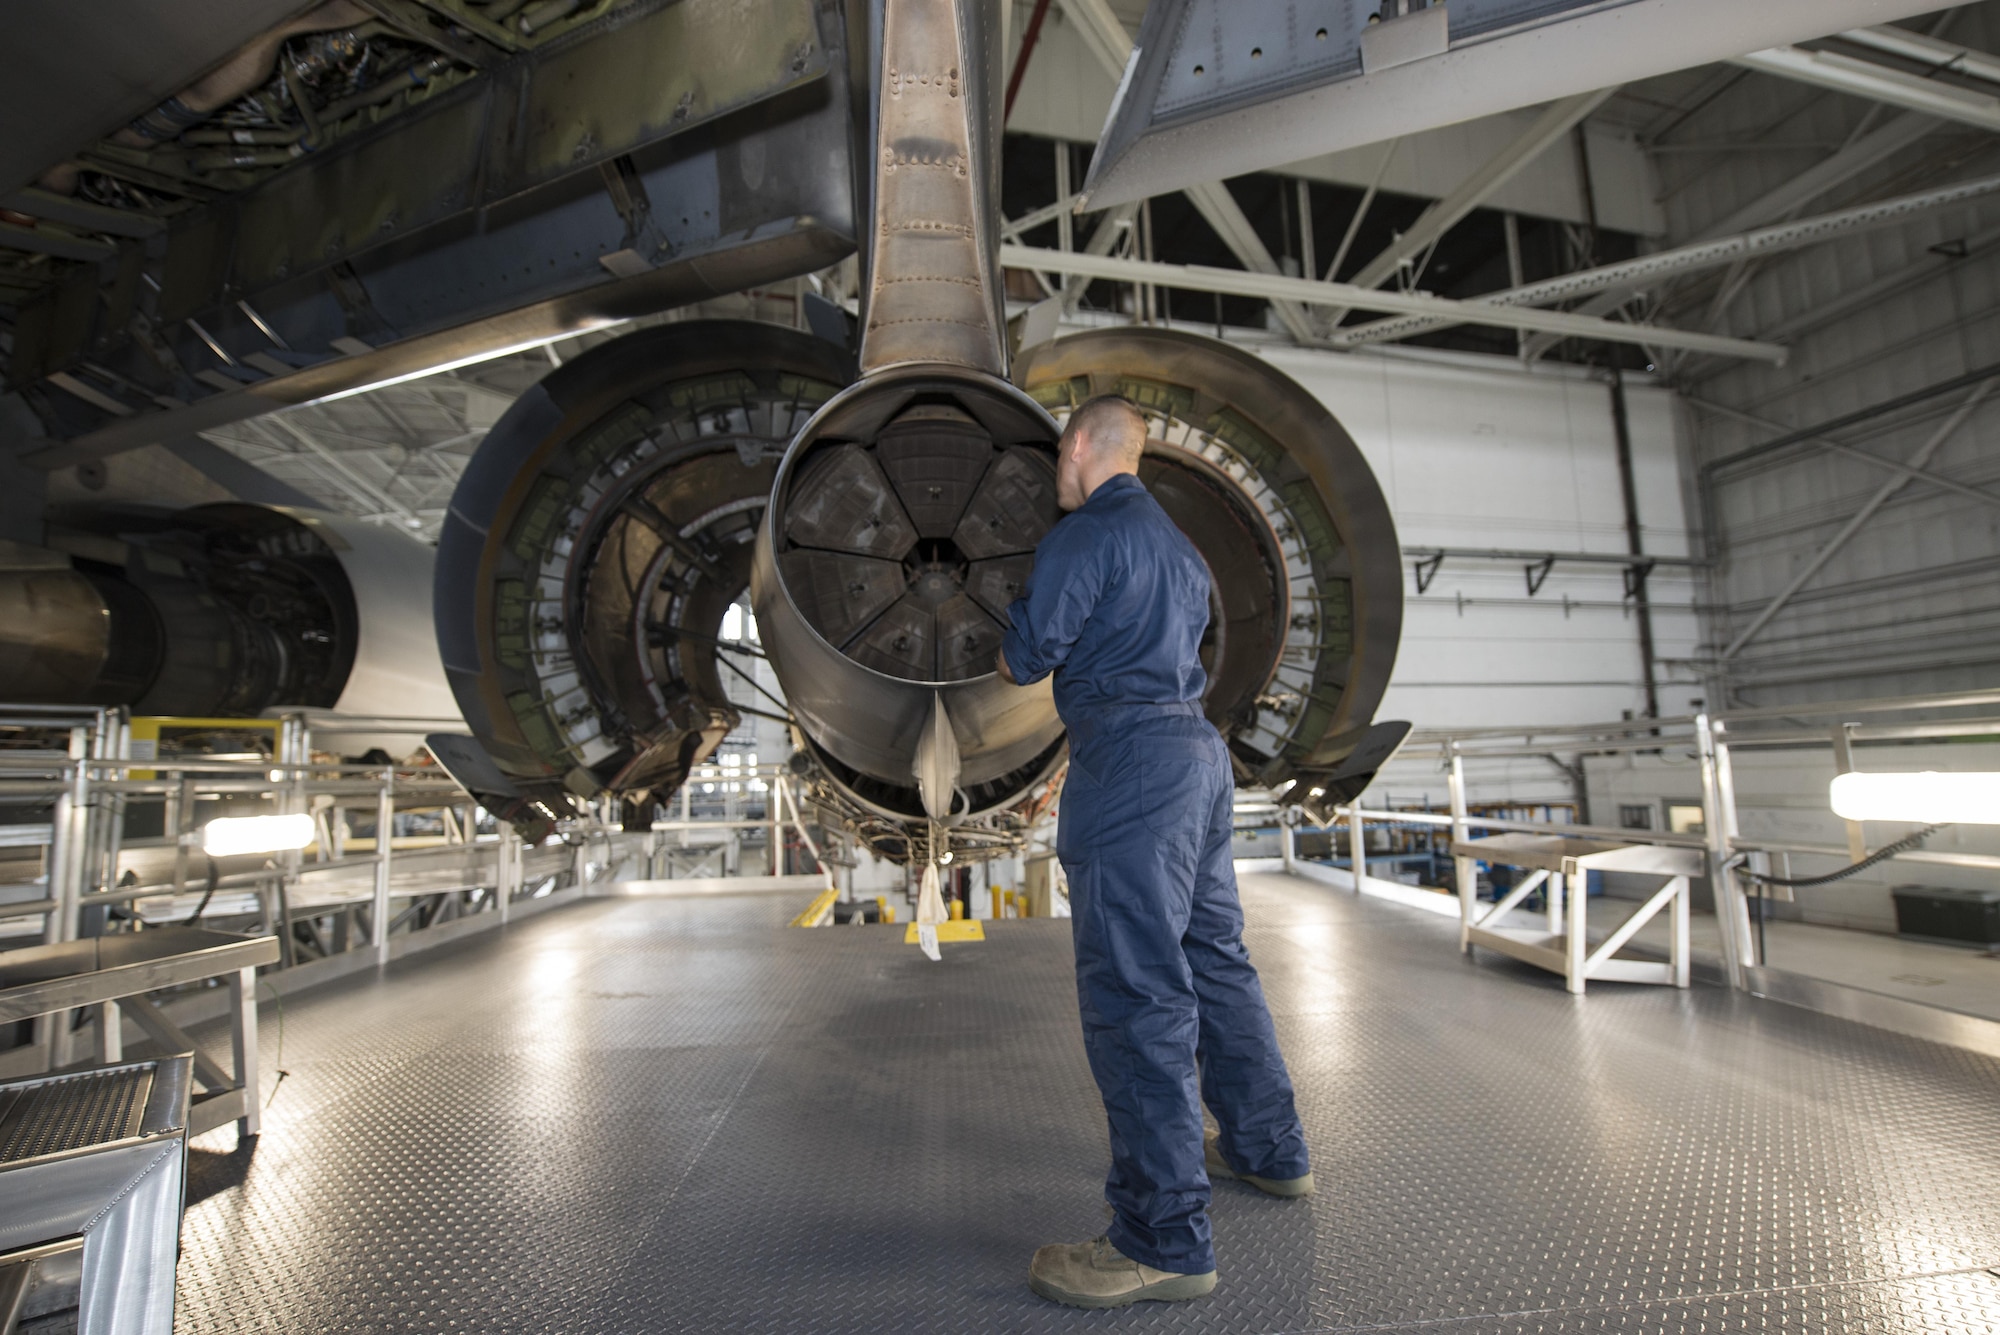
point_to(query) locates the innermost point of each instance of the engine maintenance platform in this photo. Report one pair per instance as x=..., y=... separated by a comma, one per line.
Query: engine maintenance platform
x=680, y=1115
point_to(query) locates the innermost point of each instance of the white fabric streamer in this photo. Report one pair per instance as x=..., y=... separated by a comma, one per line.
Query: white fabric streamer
x=930, y=912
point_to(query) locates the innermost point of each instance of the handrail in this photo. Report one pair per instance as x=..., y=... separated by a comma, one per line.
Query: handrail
x=1665, y=839
x=1931, y=856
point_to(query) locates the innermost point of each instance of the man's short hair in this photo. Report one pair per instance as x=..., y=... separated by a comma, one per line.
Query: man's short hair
x=1114, y=425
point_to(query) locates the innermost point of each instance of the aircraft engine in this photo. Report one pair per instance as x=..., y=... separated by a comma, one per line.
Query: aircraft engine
x=224, y=610
x=883, y=507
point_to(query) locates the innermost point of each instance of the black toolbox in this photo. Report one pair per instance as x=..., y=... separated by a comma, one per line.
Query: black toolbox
x=1962, y=917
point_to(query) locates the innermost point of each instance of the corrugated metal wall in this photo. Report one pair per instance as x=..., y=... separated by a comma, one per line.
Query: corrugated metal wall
x=1911, y=603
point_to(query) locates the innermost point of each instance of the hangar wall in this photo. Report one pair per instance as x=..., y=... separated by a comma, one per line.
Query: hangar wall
x=1906, y=605
x=1474, y=454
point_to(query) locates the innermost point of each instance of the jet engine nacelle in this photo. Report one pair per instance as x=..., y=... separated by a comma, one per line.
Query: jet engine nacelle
x=883, y=506
x=902, y=524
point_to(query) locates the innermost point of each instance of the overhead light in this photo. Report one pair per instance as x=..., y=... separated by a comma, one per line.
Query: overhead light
x=485, y=355
x=1929, y=798
x=231, y=836
x=944, y=858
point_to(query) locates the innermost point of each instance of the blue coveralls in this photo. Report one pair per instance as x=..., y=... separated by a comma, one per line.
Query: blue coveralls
x=1116, y=608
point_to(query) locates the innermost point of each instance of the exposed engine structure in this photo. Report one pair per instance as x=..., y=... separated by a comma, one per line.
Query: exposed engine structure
x=882, y=506
x=221, y=610
x=903, y=522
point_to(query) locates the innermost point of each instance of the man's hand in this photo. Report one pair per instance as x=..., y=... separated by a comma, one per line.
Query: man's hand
x=1000, y=666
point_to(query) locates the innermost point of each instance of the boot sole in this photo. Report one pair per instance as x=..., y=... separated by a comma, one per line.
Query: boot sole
x=1178, y=1289
x=1295, y=1189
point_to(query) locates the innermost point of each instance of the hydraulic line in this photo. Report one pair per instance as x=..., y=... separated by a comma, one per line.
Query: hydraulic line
x=1882, y=854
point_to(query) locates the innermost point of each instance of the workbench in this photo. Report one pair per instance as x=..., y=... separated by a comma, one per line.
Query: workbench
x=1562, y=945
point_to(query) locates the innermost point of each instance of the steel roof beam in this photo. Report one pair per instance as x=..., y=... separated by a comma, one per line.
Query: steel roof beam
x=1277, y=287
x=1863, y=78
x=1214, y=202
x=1630, y=275
x=1555, y=122
x=1942, y=57
x=1830, y=174
x=1111, y=225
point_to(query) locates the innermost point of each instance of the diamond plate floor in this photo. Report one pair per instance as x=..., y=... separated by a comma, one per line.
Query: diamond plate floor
x=671, y=1115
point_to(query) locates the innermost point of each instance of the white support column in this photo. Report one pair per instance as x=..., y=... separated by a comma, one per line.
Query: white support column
x=1357, y=845
x=1718, y=824
x=243, y=1046
x=1682, y=958
x=1729, y=896
x=774, y=808
x=1465, y=869
x=113, y=742
x=110, y=1033
x=1288, y=837
x=511, y=850
x=1576, y=937
x=69, y=853
x=68, y=857
x=385, y=826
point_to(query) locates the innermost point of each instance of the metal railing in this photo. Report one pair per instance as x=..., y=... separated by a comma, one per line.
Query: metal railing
x=351, y=892
x=1712, y=741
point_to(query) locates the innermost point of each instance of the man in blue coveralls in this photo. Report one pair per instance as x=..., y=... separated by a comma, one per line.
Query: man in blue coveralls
x=1172, y=1011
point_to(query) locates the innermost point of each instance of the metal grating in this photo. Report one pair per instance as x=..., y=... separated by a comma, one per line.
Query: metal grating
x=70, y=1112
x=680, y=1116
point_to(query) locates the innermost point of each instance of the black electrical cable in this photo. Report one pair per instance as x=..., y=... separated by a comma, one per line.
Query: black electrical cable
x=1882, y=854
x=280, y=1062
x=194, y=919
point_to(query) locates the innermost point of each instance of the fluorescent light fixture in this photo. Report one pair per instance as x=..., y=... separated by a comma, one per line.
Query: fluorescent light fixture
x=472, y=359
x=230, y=836
x=1929, y=798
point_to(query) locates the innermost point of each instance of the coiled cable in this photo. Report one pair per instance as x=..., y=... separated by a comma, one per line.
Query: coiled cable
x=1882, y=854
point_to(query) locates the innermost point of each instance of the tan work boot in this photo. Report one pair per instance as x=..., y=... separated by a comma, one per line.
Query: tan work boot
x=1288, y=1187
x=1097, y=1274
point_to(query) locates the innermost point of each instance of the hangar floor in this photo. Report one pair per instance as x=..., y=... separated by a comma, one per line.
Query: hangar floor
x=676, y=1115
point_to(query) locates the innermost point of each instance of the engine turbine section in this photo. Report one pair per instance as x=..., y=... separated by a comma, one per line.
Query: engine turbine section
x=903, y=522
x=596, y=540
x=224, y=610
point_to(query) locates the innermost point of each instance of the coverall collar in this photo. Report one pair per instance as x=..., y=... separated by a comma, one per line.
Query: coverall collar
x=1111, y=487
